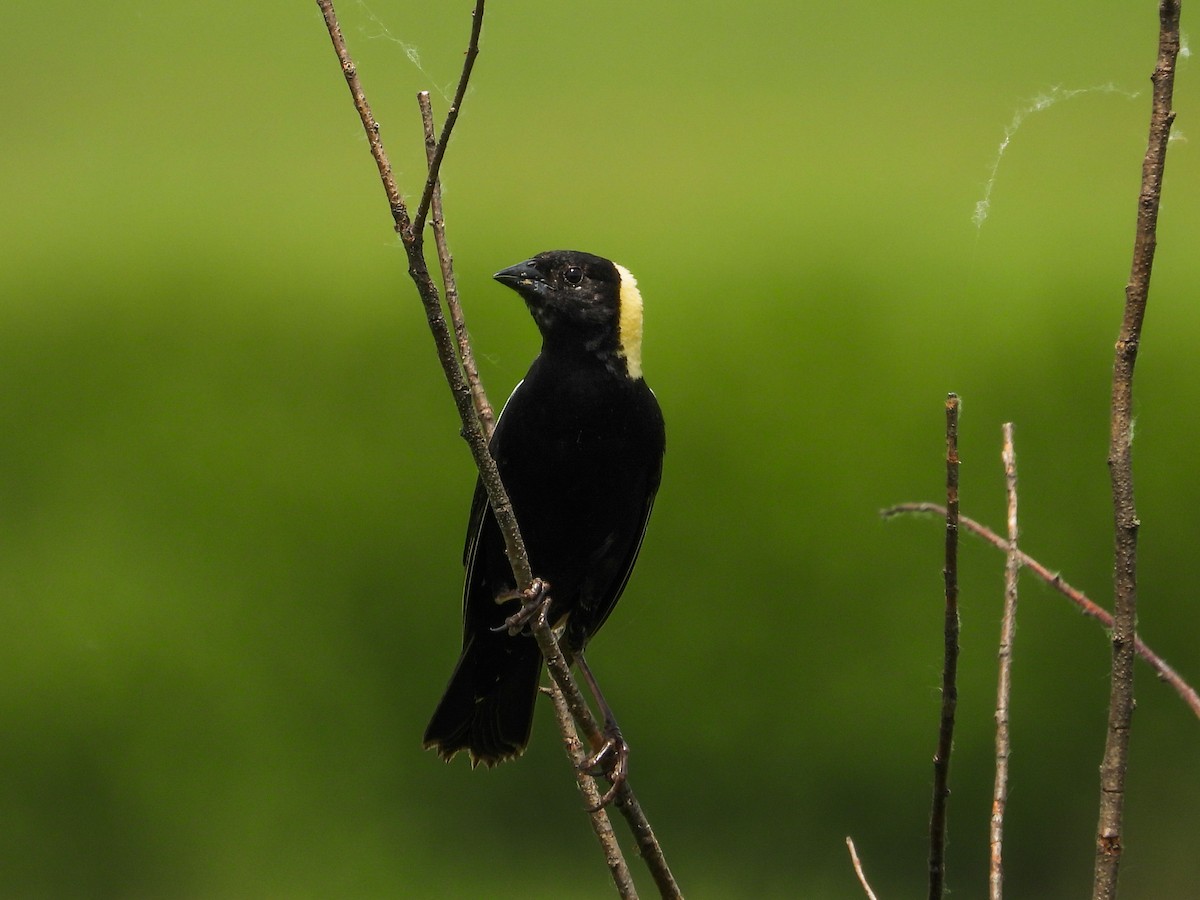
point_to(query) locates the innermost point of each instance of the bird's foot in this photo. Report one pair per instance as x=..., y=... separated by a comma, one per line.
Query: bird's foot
x=534, y=602
x=609, y=760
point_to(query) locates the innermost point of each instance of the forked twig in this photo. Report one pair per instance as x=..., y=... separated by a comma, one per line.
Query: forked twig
x=411, y=235
x=1008, y=628
x=1087, y=606
x=941, y=760
x=413, y=246
x=601, y=826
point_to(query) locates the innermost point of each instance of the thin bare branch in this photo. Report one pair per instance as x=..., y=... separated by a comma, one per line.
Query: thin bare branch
x=1120, y=463
x=601, y=825
x=1008, y=630
x=350, y=71
x=1165, y=672
x=450, y=284
x=648, y=847
x=941, y=760
x=858, y=870
x=439, y=152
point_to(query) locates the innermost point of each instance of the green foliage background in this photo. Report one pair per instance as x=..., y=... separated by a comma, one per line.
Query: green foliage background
x=232, y=492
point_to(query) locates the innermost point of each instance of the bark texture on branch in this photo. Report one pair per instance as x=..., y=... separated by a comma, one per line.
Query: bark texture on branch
x=941, y=759
x=1120, y=463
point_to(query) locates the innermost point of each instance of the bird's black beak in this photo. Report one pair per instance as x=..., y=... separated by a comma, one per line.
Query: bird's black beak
x=523, y=274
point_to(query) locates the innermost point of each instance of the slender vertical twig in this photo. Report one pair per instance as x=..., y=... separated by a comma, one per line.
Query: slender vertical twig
x=941, y=760
x=466, y=355
x=1120, y=464
x=1008, y=630
x=1088, y=607
x=858, y=870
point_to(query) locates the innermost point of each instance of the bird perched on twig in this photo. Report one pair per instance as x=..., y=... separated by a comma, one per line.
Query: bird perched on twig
x=579, y=447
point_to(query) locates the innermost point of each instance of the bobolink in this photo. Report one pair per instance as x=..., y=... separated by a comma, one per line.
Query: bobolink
x=579, y=446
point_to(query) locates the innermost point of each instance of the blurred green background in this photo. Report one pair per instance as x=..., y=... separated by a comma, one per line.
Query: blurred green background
x=232, y=491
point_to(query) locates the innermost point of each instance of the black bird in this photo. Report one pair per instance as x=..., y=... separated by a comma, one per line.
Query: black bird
x=579, y=446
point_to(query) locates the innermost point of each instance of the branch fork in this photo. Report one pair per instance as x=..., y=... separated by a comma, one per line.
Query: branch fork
x=477, y=422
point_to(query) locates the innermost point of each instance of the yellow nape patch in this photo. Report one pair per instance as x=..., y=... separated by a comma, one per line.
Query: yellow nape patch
x=630, y=325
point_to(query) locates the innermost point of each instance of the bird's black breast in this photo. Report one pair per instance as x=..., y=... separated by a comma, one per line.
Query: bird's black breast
x=580, y=452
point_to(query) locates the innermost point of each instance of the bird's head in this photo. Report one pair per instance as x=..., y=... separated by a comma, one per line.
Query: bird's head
x=582, y=302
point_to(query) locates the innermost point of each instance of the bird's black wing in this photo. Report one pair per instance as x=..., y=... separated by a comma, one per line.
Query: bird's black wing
x=479, y=505
x=610, y=602
x=622, y=569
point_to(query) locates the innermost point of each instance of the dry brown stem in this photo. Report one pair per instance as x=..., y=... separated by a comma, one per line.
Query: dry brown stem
x=613, y=857
x=858, y=870
x=483, y=409
x=1120, y=464
x=941, y=759
x=1008, y=630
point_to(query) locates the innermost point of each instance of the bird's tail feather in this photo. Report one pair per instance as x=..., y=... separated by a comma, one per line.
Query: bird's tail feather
x=487, y=709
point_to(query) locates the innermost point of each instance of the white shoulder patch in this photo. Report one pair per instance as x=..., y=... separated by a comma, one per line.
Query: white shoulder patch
x=630, y=324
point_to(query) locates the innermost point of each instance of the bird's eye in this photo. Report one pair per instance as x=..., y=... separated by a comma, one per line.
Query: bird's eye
x=573, y=275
